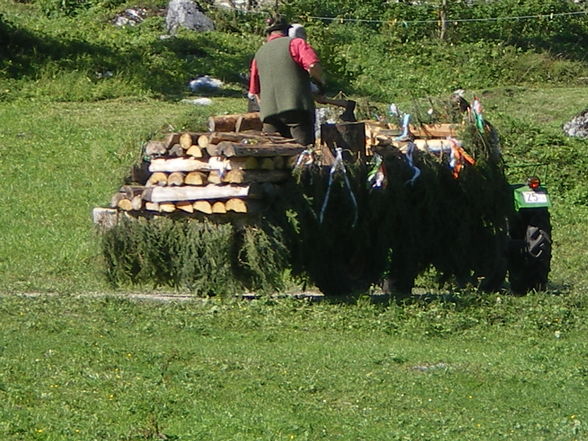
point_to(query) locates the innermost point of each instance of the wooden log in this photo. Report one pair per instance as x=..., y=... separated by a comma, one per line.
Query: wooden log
x=195, y=178
x=155, y=148
x=175, y=151
x=188, y=193
x=267, y=164
x=167, y=207
x=215, y=177
x=139, y=173
x=244, y=163
x=349, y=136
x=235, y=123
x=194, y=151
x=279, y=162
x=186, y=140
x=237, y=205
x=170, y=140
x=219, y=208
x=435, y=130
x=125, y=204
x=230, y=149
x=186, y=206
x=137, y=202
x=116, y=198
x=203, y=207
x=105, y=218
x=255, y=176
x=176, y=178
x=178, y=164
x=157, y=178
x=151, y=206
x=132, y=190
x=250, y=137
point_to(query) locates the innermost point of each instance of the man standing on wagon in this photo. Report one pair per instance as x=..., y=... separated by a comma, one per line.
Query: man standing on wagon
x=281, y=74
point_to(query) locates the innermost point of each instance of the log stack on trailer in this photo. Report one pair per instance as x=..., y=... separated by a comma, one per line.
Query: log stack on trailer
x=229, y=169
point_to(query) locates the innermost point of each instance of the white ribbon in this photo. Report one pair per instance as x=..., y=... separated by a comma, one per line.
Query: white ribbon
x=339, y=165
x=416, y=171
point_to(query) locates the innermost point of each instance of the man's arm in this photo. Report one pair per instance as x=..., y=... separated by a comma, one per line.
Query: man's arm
x=315, y=71
x=254, y=86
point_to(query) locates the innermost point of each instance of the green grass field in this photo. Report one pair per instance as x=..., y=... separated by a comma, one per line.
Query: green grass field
x=77, y=366
x=117, y=369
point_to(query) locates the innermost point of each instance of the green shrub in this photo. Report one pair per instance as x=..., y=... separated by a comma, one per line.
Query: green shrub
x=195, y=255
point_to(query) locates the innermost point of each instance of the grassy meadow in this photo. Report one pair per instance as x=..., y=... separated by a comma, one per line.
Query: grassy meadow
x=81, y=360
x=119, y=369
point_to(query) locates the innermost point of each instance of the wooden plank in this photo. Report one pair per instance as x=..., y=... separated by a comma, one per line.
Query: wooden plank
x=177, y=164
x=187, y=193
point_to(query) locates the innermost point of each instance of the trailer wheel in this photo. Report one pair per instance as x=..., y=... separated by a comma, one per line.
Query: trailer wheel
x=531, y=259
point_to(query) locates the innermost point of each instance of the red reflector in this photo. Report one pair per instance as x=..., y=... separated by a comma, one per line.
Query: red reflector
x=533, y=182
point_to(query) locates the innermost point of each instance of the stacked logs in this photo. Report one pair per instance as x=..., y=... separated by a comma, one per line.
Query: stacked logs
x=210, y=173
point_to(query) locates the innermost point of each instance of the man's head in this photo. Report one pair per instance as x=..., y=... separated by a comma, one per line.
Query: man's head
x=276, y=24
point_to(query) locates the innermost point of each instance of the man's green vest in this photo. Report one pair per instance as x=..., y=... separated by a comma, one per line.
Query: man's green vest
x=284, y=85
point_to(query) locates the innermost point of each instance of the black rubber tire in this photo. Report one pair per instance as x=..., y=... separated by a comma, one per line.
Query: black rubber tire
x=530, y=261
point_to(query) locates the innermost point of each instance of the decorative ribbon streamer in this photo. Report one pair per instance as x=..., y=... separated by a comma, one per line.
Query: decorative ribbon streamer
x=408, y=155
x=301, y=158
x=377, y=174
x=477, y=111
x=458, y=157
x=339, y=166
x=404, y=134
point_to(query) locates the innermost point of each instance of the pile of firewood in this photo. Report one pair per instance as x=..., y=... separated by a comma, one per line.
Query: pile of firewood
x=228, y=169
